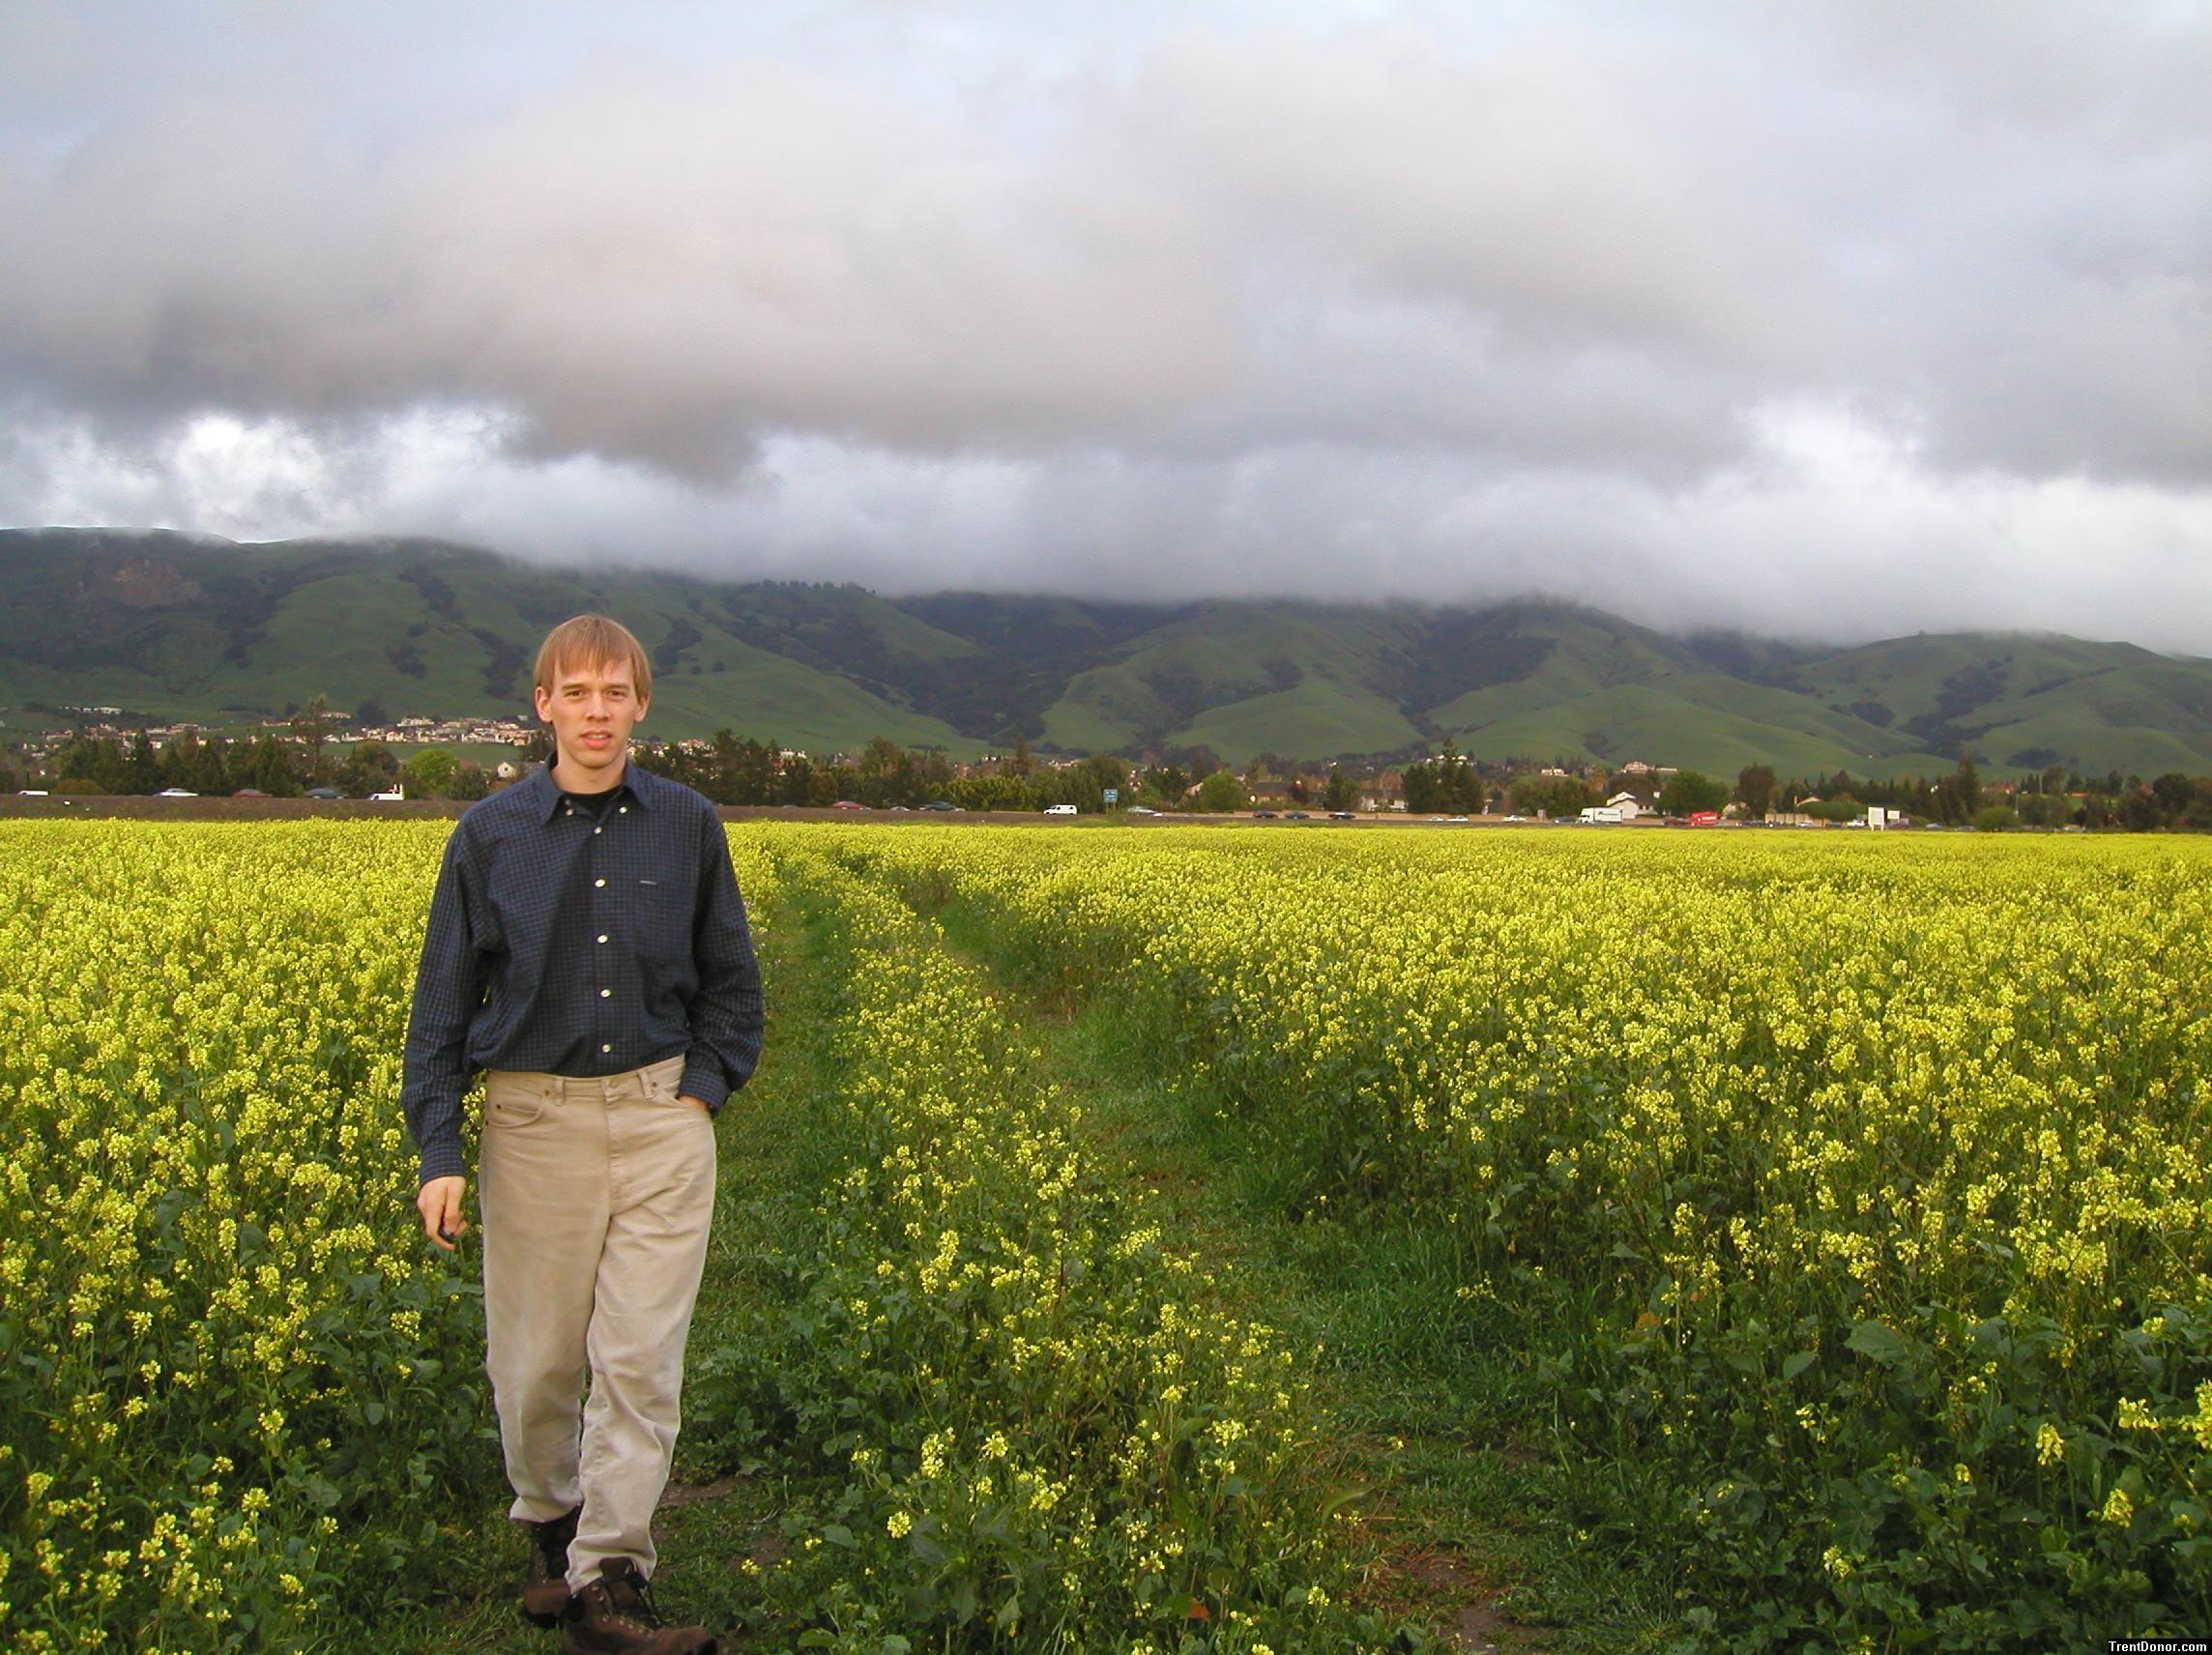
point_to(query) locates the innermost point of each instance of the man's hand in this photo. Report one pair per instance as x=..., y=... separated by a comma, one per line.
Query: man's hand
x=439, y=1200
x=686, y=1097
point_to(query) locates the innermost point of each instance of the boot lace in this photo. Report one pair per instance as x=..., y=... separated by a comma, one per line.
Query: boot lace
x=631, y=1595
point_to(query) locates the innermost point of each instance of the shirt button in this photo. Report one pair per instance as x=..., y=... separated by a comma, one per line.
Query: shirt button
x=604, y=992
x=570, y=811
x=606, y=1048
x=602, y=936
x=598, y=882
x=598, y=829
x=622, y=810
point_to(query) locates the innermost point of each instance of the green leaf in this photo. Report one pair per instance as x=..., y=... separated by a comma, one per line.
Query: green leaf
x=1798, y=1362
x=1872, y=1339
x=837, y=1534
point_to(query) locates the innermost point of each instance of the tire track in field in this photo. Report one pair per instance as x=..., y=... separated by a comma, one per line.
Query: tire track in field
x=1435, y=1557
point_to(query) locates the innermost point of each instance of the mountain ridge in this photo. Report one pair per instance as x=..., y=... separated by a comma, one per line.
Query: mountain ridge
x=175, y=627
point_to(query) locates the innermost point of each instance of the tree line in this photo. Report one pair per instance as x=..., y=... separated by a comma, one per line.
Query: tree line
x=743, y=771
x=733, y=770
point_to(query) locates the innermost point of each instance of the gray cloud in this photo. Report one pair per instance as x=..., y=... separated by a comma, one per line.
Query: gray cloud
x=1824, y=318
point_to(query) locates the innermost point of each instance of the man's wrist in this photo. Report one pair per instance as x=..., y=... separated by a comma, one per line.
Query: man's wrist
x=441, y=1161
x=705, y=1085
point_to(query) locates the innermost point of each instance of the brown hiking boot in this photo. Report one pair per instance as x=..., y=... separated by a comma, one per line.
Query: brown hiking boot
x=616, y=1615
x=546, y=1585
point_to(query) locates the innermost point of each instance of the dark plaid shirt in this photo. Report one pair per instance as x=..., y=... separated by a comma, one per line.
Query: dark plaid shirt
x=577, y=945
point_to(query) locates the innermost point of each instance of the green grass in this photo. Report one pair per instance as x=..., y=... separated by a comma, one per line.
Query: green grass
x=1245, y=678
x=1317, y=715
x=1702, y=721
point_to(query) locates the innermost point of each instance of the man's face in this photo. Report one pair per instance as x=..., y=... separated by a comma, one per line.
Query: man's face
x=592, y=708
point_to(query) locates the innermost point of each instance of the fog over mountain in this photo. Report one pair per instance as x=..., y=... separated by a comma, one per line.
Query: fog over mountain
x=1837, y=320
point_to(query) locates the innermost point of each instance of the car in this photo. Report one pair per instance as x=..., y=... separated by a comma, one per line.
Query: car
x=1346, y=816
x=1142, y=810
x=1262, y=816
x=324, y=793
x=848, y=804
x=395, y=796
x=1060, y=810
x=31, y=793
x=176, y=793
x=250, y=793
x=941, y=804
x=1516, y=819
x=1296, y=816
x=1459, y=819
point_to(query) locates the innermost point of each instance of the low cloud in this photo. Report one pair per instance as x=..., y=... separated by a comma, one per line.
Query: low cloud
x=1842, y=320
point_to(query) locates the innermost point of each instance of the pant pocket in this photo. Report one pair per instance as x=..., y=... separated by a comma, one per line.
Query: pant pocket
x=510, y=1106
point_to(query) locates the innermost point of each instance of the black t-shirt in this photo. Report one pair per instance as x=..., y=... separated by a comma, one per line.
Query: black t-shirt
x=595, y=805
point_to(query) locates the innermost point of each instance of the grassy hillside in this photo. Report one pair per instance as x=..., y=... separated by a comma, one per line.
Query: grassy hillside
x=2025, y=701
x=1285, y=678
x=176, y=627
x=1704, y=722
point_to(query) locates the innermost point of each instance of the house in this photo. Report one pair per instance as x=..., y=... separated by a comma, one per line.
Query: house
x=1629, y=807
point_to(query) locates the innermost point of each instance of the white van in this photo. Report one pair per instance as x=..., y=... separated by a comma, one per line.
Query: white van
x=1060, y=810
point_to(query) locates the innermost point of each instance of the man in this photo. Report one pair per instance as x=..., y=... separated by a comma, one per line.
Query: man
x=587, y=947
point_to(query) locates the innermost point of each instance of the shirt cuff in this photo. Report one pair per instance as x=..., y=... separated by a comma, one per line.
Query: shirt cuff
x=706, y=1085
x=444, y=1161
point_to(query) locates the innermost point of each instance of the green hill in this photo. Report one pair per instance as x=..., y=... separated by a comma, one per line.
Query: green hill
x=172, y=626
x=1243, y=679
x=176, y=628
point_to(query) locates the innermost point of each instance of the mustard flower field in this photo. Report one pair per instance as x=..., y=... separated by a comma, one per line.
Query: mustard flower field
x=1851, y=1190
x=1854, y=1186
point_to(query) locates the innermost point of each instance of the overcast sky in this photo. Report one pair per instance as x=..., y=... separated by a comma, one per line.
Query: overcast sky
x=1840, y=318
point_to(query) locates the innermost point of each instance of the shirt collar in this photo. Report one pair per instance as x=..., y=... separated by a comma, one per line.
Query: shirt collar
x=636, y=782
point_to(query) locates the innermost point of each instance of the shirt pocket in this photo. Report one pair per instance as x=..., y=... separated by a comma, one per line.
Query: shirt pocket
x=663, y=927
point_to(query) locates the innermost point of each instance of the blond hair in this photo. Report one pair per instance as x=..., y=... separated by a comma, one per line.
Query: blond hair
x=589, y=641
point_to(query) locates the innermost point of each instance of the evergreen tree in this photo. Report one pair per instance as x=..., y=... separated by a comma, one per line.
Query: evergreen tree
x=1755, y=786
x=269, y=767
x=142, y=769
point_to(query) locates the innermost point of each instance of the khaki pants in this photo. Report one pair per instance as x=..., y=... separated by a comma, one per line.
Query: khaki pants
x=595, y=1195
